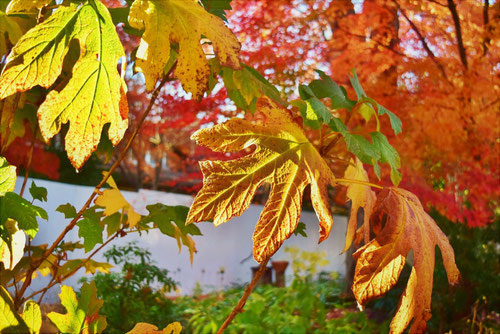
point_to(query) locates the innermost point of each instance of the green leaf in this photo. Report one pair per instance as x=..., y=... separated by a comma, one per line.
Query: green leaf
x=91, y=232
x=246, y=86
x=32, y=316
x=163, y=216
x=309, y=117
x=300, y=229
x=68, y=210
x=94, y=93
x=17, y=208
x=396, y=123
x=356, y=85
x=217, y=7
x=326, y=87
x=39, y=193
x=10, y=321
x=81, y=314
x=7, y=176
x=388, y=154
x=362, y=148
x=112, y=223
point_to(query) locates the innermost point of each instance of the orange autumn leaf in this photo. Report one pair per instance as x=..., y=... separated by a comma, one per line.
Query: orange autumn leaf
x=361, y=196
x=283, y=157
x=404, y=226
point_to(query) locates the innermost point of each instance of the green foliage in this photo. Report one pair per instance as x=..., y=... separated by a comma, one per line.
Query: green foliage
x=10, y=321
x=304, y=307
x=137, y=292
x=315, y=114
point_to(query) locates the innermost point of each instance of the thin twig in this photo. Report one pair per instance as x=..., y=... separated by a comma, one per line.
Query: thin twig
x=27, y=167
x=55, y=281
x=35, y=264
x=239, y=307
x=359, y=182
x=458, y=31
x=422, y=40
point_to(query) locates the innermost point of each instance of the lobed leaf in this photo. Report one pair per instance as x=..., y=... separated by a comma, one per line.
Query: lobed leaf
x=181, y=22
x=32, y=316
x=92, y=96
x=7, y=176
x=361, y=196
x=403, y=225
x=82, y=315
x=283, y=157
x=10, y=321
x=17, y=208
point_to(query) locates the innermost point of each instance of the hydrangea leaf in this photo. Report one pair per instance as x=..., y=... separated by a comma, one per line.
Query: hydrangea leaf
x=283, y=157
x=94, y=94
x=10, y=28
x=23, y=6
x=7, y=176
x=9, y=319
x=32, y=316
x=38, y=193
x=403, y=226
x=145, y=328
x=12, y=249
x=113, y=201
x=17, y=208
x=361, y=196
x=91, y=232
x=81, y=314
x=181, y=22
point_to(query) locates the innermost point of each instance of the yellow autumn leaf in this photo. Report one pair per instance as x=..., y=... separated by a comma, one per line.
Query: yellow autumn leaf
x=8, y=28
x=404, y=226
x=283, y=157
x=94, y=94
x=145, y=328
x=361, y=196
x=11, y=256
x=182, y=22
x=113, y=201
x=22, y=6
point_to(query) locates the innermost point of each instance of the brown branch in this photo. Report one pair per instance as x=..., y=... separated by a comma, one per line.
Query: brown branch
x=422, y=40
x=35, y=264
x=486, y=20
x=458, y=30
x=239, y=307
x=55, y=281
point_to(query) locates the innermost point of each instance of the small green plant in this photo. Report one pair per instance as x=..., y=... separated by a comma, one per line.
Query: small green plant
x=137, y=292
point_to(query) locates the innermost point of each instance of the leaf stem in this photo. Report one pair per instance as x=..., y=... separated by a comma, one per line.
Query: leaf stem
x=35, y=264
x=359, y=182
x=239, y=307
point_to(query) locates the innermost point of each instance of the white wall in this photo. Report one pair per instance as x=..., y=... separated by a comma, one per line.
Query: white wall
x=225, y=246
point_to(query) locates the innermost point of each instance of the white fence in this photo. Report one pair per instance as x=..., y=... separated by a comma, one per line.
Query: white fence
x=222, y=247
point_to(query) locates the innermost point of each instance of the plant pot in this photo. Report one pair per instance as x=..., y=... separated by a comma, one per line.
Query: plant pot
x=279, y=271
x=267, y=276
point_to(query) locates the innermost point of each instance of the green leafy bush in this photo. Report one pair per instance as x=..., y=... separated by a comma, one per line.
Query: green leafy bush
x=137, y=292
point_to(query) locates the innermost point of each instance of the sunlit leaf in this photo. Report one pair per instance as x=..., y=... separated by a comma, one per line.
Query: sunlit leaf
x=182, y=22
x=284, y=158
x=32, y=316
x=113, y=201
x=10, y=321
x=404, y=226
x=7, y=176
x=145, y=328
x=8, y=28
x=23, y=6
x=94, y=94
x=82, y=315
x=361, y=196
x=12, y=247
